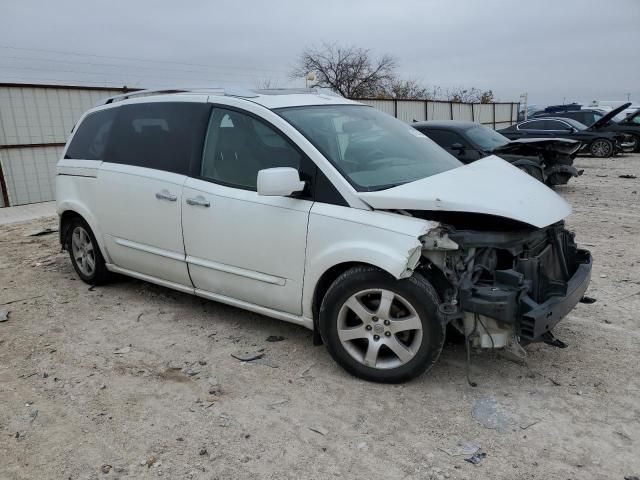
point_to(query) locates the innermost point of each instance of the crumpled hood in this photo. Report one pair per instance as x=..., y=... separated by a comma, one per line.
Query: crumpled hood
x=489, y=186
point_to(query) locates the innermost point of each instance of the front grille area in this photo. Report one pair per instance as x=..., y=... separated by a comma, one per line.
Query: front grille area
x=518, y=278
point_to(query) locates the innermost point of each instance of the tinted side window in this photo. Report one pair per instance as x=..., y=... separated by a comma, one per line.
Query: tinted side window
x=445, y=138
x=555, y=125
x=161, y=135
x=91, y=137
x=238, y=146
x=533, y=125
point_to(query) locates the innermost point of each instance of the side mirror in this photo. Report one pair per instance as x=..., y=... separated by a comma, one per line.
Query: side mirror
x=279, y=181
x=457, y=146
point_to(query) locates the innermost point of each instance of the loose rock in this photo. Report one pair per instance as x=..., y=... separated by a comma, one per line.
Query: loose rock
x=275, y=338
x=476, y=458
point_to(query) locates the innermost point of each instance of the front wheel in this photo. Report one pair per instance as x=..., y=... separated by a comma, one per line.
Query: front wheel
x=382, y=329
x=601, y=148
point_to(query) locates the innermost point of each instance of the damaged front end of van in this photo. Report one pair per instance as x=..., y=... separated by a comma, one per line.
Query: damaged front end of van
x=506, y=268
x=508, y=288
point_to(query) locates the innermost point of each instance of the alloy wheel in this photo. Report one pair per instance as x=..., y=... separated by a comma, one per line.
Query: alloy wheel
x=379, y=328
x=601, y=148
x=83, y=251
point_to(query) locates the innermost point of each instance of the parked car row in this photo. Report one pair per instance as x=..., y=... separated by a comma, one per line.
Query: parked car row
x=599, y=133
x=627, y=127
x=326, y=213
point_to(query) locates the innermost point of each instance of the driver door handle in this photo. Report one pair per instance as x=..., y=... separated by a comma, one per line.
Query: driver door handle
x=198, y=201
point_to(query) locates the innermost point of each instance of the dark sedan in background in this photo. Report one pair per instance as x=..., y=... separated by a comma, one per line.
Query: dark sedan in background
x=595, y=141
x=549, y=160
x=601, y=120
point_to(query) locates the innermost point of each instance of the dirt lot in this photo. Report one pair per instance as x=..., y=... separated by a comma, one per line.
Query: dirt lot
x=138, y=381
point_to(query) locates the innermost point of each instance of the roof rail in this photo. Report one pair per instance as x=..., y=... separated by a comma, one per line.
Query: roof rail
x=230, y=91
x=145, y=93
x=289, y=91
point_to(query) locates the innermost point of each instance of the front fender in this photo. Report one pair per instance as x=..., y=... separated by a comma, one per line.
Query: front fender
x=366, y=240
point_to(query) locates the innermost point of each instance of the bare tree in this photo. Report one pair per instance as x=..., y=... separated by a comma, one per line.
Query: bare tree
x=469, y=95
x=408, y=90
x=487, y=97
x=350, y=71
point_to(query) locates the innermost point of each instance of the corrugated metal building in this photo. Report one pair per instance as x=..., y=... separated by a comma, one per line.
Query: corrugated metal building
x=36, y=120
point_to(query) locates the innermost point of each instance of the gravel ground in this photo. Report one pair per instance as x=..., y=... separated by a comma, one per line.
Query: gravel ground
x=132, y=380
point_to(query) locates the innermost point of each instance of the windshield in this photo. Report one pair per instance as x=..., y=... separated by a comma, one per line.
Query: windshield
x=371, y=149
x=486, y=138
x=625, y=114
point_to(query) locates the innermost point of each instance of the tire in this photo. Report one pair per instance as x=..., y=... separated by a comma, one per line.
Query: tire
x=365, y=344
x=533, y=171
x=85, y=254
x=636, y=141
x=601, y=148
x=558, y=178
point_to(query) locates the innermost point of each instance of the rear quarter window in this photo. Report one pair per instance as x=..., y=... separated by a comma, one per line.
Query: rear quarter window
x=90, y=139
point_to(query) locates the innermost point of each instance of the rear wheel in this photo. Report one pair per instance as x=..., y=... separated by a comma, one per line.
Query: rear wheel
x=635, y=140
x=85, y=254
x=379, y=328
x=601, y=148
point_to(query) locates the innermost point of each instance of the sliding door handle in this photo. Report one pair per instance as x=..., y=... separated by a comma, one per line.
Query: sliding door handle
x=198, y=201
x=166, y=195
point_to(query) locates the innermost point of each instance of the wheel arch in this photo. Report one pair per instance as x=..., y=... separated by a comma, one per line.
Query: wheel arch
x=69, y=211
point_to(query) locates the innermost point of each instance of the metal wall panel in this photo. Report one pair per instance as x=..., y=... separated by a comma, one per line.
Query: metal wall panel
x=386, y=106
x=30, y=173
x=439, y=110
x=36, y=118
x=462, y=111
x=43, y=115
x=410, y=111
x=484, y=113
x=503, y=112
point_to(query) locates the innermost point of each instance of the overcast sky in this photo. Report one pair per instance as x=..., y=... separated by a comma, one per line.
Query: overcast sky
x=573, y=50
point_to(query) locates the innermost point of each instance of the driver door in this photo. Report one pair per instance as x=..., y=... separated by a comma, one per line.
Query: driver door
x=241, y=245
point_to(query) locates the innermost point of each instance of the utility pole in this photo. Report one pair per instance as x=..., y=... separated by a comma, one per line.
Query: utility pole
x=524, y=99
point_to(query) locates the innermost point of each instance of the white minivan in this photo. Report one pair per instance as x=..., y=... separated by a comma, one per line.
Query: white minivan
x=323, y=212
